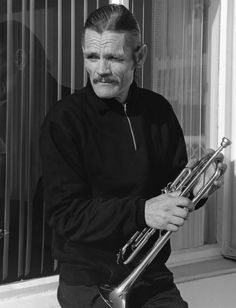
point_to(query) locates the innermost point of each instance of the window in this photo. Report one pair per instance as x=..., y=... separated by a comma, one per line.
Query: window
x=41, y=61
x=180, y=54
x=188, y=64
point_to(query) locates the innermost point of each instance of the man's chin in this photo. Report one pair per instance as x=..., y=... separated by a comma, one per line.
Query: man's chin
x=104, y=92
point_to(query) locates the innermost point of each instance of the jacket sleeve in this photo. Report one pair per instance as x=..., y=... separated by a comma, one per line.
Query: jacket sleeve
x=71, y=209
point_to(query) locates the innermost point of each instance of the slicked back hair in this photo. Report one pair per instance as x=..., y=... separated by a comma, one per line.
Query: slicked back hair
x=113, y=17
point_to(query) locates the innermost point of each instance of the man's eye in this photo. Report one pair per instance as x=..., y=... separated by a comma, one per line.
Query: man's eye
x=113, y=58
x=92, y=57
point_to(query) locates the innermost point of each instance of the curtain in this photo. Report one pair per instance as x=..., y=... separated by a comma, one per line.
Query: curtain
x=41, y=61
x=180, y=71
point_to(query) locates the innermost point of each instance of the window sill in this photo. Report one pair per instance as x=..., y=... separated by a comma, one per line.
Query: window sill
x=204, y=269
x=199, y=263
x=194, y=255
x=42, y=292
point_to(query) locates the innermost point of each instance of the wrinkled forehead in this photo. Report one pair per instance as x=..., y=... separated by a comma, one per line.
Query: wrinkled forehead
x=107, y=40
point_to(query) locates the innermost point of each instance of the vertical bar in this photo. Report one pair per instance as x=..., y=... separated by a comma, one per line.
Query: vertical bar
x=143, y=36
x=31, y=100
x=43, y=240
x=85, y=17
x=22, y=165
x=200, y=82
x=188, y=238
x=72, y=46
x=229, y=246
x=182, y=69
x=79, y=22
x=8, y=139
x=191, y=72
x=186, y=77
x=59, y=64
x=131, y=6
x=46, y=58
x=226, y=121
x=59, y=47
x=148, y=28
x=46, y=106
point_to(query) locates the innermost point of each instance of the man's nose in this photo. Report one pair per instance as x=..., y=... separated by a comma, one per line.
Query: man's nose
x=103, y=67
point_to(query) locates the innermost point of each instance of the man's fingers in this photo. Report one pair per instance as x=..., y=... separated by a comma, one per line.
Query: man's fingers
x=190, y=207
x=178, y=221
x=219, y=157
x=220, y=181
x=171, y=227
x=209, y=151
x=192, y=162
x=175, y=193
x=222, y=167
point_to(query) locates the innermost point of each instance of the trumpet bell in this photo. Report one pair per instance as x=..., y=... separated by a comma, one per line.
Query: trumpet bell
x=113, y=297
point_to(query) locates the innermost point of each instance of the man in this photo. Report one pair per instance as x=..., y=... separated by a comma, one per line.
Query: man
x=107, y=152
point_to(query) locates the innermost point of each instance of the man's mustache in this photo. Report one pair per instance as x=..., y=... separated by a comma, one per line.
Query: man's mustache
x=104, y=80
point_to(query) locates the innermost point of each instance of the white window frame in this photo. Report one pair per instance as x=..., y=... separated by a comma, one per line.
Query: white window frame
x=227, y=118
x=225, y=110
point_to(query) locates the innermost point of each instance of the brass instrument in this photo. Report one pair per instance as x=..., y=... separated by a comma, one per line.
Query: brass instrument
x=116, y=297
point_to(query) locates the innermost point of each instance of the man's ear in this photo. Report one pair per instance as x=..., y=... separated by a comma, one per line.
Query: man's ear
x=140, y=55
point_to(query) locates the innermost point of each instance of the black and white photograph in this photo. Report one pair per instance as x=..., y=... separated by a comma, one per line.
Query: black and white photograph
x=117, y=153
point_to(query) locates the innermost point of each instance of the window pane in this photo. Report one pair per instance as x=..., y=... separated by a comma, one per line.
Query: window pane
x=181, y=72
x=40, y=62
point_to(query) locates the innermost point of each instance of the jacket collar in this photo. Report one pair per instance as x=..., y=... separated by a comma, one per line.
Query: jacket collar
x=110, y=104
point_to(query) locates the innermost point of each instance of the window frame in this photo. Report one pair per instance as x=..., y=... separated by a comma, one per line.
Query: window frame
x=221, y=101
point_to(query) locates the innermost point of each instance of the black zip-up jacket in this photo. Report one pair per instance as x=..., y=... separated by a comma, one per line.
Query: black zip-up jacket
x=101, y=162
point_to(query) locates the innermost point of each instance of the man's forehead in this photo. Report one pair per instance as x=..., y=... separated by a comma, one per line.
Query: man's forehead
x=109, y=39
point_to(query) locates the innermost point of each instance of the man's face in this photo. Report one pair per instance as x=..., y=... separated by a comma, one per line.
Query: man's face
x=108, y=59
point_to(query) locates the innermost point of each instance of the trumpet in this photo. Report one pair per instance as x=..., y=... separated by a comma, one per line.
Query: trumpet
x=116, y=296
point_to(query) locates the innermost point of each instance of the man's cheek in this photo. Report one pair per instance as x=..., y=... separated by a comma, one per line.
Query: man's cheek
x=88, y=68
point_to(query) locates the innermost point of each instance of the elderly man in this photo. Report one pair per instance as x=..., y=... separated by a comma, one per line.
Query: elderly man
x=107, y=152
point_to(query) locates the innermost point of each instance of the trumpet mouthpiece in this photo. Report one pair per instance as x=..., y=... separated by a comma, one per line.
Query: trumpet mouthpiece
x=225, y=142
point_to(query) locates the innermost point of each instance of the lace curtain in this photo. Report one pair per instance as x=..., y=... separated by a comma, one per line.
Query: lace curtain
x=181, y=72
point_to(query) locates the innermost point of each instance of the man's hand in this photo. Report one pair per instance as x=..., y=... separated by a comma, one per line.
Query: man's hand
x=205, y=177
x=167, y=211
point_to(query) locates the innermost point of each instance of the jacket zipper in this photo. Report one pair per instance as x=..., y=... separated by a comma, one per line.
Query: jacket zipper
x=130, y=127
